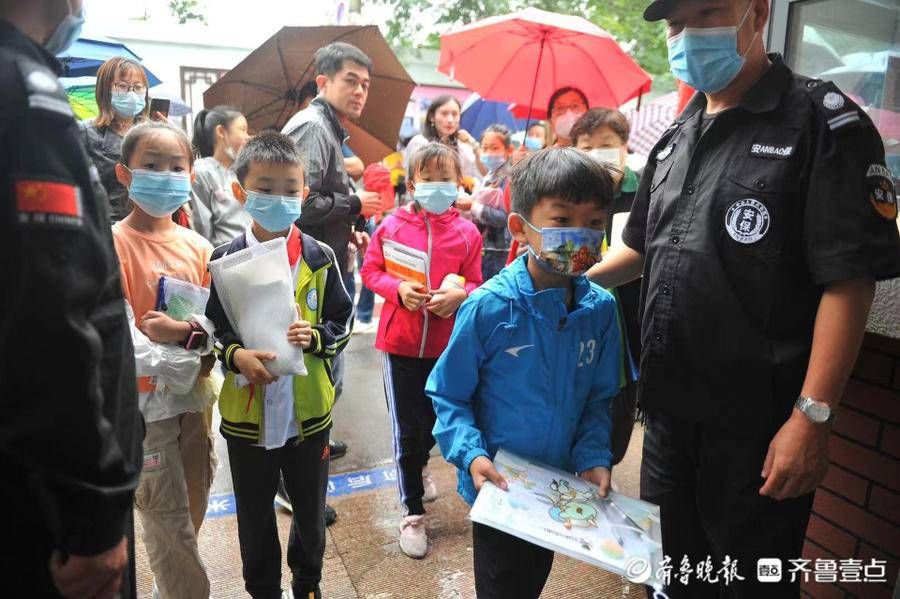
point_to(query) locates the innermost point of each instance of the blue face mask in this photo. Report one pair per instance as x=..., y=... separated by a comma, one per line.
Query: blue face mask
x=534, y=144
x=65, y=34
x=493, y=161
x=128, y=104
x=159, y=194
x=273, y=213
x=707, y=59
x=436, y=197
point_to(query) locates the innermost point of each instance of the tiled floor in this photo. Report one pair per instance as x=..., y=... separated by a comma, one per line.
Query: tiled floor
x=362, y=559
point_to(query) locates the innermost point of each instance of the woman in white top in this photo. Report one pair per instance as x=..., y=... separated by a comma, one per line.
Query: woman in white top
x=219, y=134
x=442, y=125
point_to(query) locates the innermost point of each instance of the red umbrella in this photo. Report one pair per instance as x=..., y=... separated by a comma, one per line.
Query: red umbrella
x=525, y=56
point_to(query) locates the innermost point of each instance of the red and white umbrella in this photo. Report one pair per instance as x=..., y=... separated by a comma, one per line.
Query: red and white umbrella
x=525, y=56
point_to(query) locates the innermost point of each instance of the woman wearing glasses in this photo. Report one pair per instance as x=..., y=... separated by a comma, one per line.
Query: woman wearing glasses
x=566, y=105
x=123, y=100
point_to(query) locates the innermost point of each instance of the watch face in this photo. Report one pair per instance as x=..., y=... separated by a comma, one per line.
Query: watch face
x=818, y=412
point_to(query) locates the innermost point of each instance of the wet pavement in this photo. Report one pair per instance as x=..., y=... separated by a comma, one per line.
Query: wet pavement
x=362, y=559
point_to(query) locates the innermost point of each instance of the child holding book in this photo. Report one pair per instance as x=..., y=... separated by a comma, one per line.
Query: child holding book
x=421, y=297
x=534, y=359
x=179, y=462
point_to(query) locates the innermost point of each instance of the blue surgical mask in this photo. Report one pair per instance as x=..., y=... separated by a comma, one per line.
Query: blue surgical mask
x=128, y=104
x=436, y=197
x=534, y=144
x=159, y=194
x=273, y=213
x=568, y=251
x=707, y=59
x=65, y=34
x=493, y=161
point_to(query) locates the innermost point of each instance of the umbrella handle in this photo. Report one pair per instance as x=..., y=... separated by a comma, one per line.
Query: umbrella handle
x=534, y=85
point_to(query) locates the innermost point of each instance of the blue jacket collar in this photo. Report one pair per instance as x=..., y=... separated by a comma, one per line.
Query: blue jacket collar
x=548, y=304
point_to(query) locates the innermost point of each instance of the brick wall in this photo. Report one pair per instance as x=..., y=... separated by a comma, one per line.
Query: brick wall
x=856, y=513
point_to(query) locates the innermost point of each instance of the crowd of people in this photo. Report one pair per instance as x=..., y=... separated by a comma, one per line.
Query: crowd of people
x=533, y=293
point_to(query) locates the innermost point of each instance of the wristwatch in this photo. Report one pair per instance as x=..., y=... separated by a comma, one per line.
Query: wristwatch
x=818, y=412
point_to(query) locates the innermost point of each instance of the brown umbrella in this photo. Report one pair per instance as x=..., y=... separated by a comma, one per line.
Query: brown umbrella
x=265, y=85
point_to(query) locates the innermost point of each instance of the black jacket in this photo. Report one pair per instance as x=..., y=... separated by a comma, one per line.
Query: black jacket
x=70, y=429
x=331, y=209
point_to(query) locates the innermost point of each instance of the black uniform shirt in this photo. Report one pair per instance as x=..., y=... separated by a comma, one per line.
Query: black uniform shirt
x=70, y=429
x=742, y=227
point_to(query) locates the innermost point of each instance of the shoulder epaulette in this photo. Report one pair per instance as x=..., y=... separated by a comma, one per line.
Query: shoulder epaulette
x=837, y=109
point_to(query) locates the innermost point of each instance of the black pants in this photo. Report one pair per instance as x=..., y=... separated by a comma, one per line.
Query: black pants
x=706, y=479
x=412, y=419
x=255, y=473
x=507, y=567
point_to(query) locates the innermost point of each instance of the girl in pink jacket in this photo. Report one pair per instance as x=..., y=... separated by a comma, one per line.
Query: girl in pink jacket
x=424, y=260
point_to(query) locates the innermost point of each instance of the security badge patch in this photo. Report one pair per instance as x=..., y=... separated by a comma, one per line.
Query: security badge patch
x=312, y=300
x=880, y=183
x=747, y=221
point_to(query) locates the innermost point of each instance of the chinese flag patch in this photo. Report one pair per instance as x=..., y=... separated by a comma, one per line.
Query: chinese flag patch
x=49, y=198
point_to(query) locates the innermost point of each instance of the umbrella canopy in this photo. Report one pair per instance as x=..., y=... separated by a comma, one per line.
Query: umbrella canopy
x=478, y=114
x=265, y=85
x=82, y=97
x=87, y=54
x=650, y=121
x=525, y=56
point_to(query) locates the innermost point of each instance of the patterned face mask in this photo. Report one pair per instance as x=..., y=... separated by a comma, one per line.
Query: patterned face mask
x=568, y=251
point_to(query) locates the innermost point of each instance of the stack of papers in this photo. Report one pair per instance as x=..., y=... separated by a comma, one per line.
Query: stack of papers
x=563, y=513
x=404, y=262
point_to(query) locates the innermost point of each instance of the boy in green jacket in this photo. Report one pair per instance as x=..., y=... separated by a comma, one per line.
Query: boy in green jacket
x=271, y=187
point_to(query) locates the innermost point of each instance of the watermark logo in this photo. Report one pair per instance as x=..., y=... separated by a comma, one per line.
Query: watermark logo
x=769, y=569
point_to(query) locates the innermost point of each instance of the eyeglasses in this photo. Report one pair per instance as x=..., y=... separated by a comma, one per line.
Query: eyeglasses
x=121, y=86
x=561, y=109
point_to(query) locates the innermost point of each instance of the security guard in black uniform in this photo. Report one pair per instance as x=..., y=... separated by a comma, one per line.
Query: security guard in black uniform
x=762, y=221
x=70, y=429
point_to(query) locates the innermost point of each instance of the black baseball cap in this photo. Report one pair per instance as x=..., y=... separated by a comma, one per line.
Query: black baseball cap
x=659, y=9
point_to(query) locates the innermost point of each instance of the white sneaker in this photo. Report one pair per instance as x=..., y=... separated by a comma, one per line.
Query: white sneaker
x=431, y=492
x=413, y=540
x=288, y=594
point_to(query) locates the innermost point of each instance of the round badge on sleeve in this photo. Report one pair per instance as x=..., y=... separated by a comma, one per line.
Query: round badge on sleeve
x=882, y=194
x=312, y=300
x=747, y=221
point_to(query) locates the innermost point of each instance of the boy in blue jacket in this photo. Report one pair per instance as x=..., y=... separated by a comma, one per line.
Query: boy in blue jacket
x=534, y=358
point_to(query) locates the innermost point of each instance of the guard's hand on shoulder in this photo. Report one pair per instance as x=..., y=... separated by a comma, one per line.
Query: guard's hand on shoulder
x=250, y=363
x=162, y=328
x=482, y=469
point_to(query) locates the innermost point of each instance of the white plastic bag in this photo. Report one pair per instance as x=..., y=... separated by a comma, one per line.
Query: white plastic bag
x=256, y=288
x=171, y=366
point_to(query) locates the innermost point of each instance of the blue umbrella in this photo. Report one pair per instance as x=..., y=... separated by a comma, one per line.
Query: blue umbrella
x=478, y=114
x=87, y=54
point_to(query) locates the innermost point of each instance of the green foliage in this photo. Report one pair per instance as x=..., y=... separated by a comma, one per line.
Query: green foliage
x=186, y=11
x=622, y=18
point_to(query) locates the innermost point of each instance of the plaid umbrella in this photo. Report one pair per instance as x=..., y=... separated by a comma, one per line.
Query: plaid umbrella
x=650, y=121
